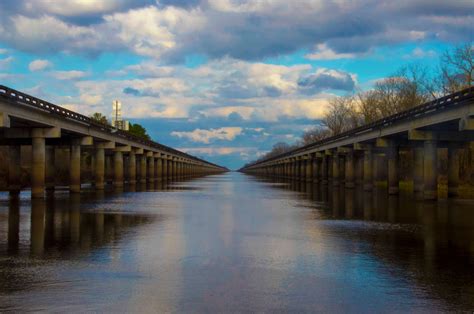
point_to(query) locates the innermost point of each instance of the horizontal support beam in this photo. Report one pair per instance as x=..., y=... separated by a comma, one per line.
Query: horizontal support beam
x=53, y=132
x=84, y=141
x=123, y=149
x=466, y=124
x=451, y=136
x=4, y=120
x=106, y=145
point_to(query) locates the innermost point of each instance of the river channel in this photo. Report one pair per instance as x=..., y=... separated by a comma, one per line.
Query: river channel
x=235, y=243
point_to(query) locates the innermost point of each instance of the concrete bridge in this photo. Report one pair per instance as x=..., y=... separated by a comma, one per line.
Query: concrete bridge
x=370, y=154
x=45, y=127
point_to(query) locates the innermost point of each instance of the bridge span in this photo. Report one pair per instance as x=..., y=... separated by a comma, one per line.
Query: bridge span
x=116, y=154
x=370, y=154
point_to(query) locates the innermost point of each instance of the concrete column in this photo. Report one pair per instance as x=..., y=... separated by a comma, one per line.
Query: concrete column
x=164, y=162
x=109, y=169
x=132, y=168
x=159, y=169
x=170, y=169
x=38, y=166
x=430, y=167
x=316, y=169
x=175, y=169
x=118, y=169
x=324, y=169
x=453, y=170
x=368, y=170
x=151, y=169
x=380, y=170
x=335, y=169
x=301, y=169
x=143, y=174
x=418, y=169
x=14, y=169
x=359, y=168
x=309, y=169
x=75, y=170
x=297, y=169
x=99, y=167
x=50, y=169
x=349, y=170
x=393, y=168
x=179, y=169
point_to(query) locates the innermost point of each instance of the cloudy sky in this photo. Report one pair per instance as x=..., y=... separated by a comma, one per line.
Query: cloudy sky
x=220, y=79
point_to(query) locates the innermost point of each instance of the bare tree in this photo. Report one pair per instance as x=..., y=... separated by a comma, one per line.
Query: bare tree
x=315, y=134
x=457, y=68
x=342, y=114
x=408, y=87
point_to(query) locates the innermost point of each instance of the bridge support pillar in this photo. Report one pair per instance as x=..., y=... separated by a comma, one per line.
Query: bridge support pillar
x=316, y=170
x=159, y=168
x=349, y=170
x=109, y=169
x=379, y=160
x=368, y=169
x=132, y=168
x=14, y=169
x=118, y=169
x=164, y=164
x=430, y=191
x=324, y=169
x=359, y=168
x=50, y=168
x=309, y=168
x=335, y=169
x=75, y=168
x=99, y=167
x=418, y=170
x=143, y=167
x=38, y=165
x=175, y=169
x=393, y=168
x=169, y=173
x=151, y=168
x=453, y=170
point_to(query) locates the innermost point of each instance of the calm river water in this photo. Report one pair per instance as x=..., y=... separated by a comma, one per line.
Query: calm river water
x=235, y=243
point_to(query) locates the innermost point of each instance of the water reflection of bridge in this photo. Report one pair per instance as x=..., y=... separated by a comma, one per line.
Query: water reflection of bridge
x=58, y=227
x=429, y=243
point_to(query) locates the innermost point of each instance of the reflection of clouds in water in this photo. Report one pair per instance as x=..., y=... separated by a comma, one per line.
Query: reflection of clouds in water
x=226, y=225
x=233, y=242
x=161, y=249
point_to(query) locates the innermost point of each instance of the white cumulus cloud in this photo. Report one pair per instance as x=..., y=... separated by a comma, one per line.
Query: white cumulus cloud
x=323, y=52
x=39, y=65
x=69, y=75
x=206, y=136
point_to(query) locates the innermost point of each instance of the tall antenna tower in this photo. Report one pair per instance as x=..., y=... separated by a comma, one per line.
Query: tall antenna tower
x=117, y=121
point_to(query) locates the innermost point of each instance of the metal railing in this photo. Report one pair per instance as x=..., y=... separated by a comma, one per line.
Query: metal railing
x=443, y=103
x=18, y=97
